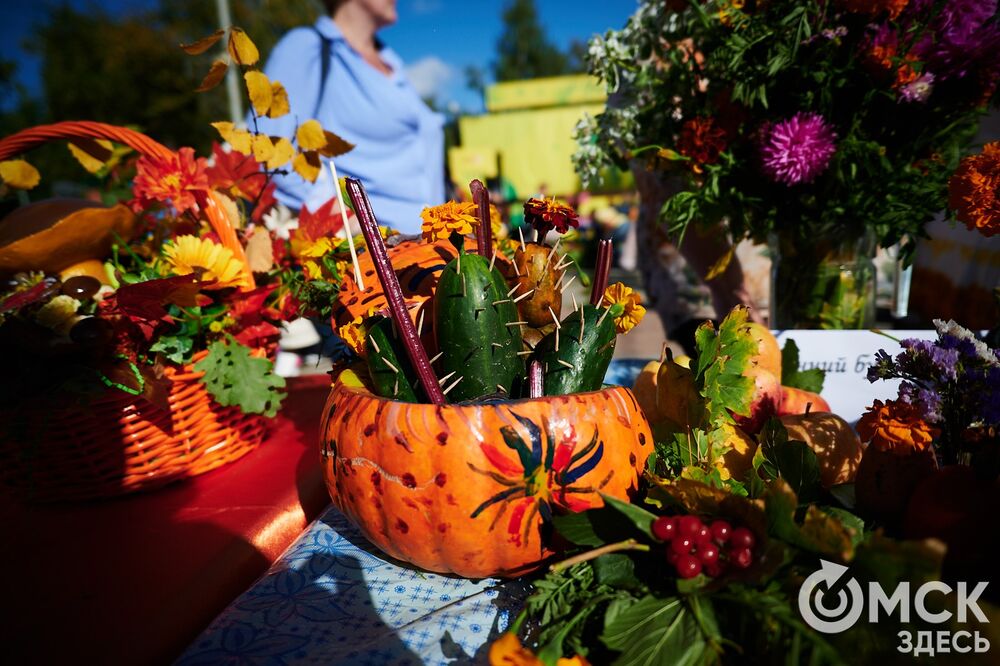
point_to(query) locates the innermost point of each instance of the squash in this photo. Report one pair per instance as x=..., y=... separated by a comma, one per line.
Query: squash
x=834, y=441
x=470, y=488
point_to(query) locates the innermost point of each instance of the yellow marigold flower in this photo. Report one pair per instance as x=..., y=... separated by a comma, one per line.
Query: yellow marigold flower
x=187, y=254
x=896, y=426
x=630, y=310
x=216, y=327
x=354, y=334
x=440, y=222
x=508, y=651
x=496, y=224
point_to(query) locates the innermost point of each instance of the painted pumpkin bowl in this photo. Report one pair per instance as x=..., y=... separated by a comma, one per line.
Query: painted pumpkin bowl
x=470, y=489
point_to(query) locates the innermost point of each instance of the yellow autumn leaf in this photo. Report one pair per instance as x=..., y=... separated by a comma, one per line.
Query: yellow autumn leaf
x=721, y=264
x=239, y=139
x=214, y=76
x=279, y=101
x=307, y=165
x=92, y=155
x=203, y=44
x=20, y=175
x=263, y=148
x=224, y=128
x=334, y=145
x=241, y=48
x=283, y=151
x=259, y=89
x=310, y=135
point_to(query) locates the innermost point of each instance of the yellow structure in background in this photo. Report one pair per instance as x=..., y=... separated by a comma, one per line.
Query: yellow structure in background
x=527, y=133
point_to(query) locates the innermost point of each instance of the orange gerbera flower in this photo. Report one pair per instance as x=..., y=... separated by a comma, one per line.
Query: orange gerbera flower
x=896, y=426
x=174, y=181
x=453, y=217
x=974, y=190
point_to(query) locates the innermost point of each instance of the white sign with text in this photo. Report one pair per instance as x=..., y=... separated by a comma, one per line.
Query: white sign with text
x=846, y=357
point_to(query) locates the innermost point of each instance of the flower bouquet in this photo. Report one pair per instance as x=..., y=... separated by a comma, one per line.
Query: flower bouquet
x=821, y=128
x=140, y=337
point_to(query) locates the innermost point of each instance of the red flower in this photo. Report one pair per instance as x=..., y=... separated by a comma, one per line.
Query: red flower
x=548, y=214
x=701, y=140
x=174, y=181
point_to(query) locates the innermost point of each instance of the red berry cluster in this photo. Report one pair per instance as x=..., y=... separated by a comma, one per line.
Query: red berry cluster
x=693, y=546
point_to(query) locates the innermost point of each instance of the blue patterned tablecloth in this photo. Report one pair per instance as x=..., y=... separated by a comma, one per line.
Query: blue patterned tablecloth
x=334, y=598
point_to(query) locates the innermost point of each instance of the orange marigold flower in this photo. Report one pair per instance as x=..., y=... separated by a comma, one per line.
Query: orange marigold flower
x=453, y=217
x=874, y=7
x=701, y=140
x=896, y=426
x=974, y=190
x=548, y=214
x=508, y=651
x=174, y=181
x=629, y=312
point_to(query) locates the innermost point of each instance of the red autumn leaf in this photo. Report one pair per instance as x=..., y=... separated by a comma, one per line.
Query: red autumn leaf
x=18, y=300
x=145, y=300
x=236, y=174
x=265, y=202
x=326, y=221
x=247, y=307
x=259, y=335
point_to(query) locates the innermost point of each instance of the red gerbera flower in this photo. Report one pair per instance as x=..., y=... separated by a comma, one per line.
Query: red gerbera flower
x=701, y=140
x=174, y=181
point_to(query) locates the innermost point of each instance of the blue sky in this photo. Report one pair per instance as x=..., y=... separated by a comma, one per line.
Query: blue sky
x=437, y=39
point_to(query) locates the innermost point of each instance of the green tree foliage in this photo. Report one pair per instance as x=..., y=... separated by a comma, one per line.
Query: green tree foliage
x=524, y=51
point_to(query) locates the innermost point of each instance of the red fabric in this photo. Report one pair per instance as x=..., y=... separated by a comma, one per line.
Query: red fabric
x=135, y=579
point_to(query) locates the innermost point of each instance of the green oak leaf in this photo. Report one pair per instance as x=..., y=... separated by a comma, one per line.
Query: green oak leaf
x=234, y=377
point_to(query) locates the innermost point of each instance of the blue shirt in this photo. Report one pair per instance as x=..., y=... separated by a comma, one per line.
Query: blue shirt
x=399, y=153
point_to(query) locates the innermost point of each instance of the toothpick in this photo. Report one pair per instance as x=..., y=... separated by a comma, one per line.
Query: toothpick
x=605, y=314
x=523, y=296
x=557, y=338
x=517, y=271
x=520, y=234
x=500, y=302
x=497, y=344
x=436, y=357
x=493, y=261
x=347, y=228
x=420, y=323
x=500, y=387
x=552, y=252
x=513, y=289
x=391, y=366
x=582, y=321
x=555, y=318
x=516, y=323
x=567, y=259
x=576, y=306
x=464, y=294
x=458, y=263
x=447, y=377
x=454, y=384
x=566, y=363
x=567, y=285
x=526, y=352
x=559, y=283
x=395, y=386
x=375, y=345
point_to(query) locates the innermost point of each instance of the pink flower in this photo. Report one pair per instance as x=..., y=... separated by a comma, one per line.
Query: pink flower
x=798, y=149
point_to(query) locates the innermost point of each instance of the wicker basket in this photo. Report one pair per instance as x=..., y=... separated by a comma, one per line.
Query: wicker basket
x=118, y=443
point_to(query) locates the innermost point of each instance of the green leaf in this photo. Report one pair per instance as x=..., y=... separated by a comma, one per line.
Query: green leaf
x=593, y=527
x=234, y=377
x=615, y=570
x=807, y=380
x=656, y=631
x=637, y=516
x=723, y=357
x=791, y=460
x=175, y=348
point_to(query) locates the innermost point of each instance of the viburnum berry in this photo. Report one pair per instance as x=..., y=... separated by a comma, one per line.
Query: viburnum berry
x=703, y=535
x=688, y=566
x=708, y=553
x=682, y=545
x=689, y=525
x=742, y=538
x=664, y=528
x=721, y=531
x=741, y=557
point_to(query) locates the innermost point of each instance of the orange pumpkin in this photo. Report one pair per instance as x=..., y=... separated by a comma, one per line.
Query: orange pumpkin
x=469, y=488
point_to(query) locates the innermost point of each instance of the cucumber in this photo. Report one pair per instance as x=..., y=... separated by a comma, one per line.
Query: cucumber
x=585, y=358
x=389, y=366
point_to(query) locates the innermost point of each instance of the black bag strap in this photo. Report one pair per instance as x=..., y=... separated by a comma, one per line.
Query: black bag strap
x=325, y=44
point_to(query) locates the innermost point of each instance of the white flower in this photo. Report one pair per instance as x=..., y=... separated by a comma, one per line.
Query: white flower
x=982, y=349
x=280, y=221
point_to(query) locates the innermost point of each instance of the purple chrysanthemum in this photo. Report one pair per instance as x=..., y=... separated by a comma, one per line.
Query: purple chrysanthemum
x=961, y=37
x=798, y=149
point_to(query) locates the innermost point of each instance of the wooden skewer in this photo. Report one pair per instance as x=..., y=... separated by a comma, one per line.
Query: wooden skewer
x=347, y=228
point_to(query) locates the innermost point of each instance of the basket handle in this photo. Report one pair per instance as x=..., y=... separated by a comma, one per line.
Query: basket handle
x=32, y=137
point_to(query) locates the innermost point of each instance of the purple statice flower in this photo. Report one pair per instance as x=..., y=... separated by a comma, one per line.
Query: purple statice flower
x=798, y=149
x=883, y=368
x=927, y=360
x=927, y=400
x=918, y=90
x=958, y=337
x=960, y=37
x=990, y=400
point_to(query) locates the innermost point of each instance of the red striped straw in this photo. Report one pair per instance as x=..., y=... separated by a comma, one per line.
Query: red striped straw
x=393, y=293
x=484, y=233
x=535, y=384
x=601, y=271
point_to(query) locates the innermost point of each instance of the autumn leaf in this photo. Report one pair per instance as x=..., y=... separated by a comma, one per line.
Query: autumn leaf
x=720, y=266
x=214, y=76
x=20, y=175
x=263, y=148
x=283, y=152
x=325, y=221
x=241, y=48
x=91, y=154
x=240, y=139
x=260, y=252
x=310, y=135
x=145, y=300
x=259, y=89
x=236, y=174
x=279, y=101
x=203, y=44
x=307, y=165
x=335, y=145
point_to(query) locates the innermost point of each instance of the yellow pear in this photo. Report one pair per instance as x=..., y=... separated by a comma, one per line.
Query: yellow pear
x=837, y=446
x=683, y=360
x=677, y=398
x=644, y=390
